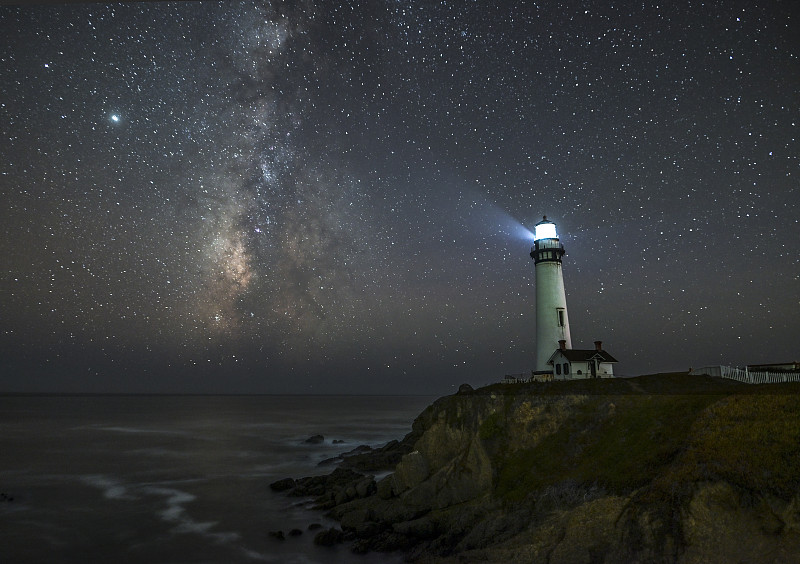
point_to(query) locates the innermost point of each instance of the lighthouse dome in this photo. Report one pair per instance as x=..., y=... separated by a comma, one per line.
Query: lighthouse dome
x=545, y=229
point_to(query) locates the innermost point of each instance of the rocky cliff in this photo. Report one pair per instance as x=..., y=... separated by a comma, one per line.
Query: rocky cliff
x=667, y=468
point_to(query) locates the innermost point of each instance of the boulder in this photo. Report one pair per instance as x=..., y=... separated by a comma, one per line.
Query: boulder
x=312, y=485
x=368, y=529
x=283, y=485
x=315, y=440
x=420, y=528
x=340, y=497
x=385, y=487
x=365, y=487
x=329, y=537
x=329, y=485
x=367, y=459
x=411, y=471
x=343, y=476
x=353, y=519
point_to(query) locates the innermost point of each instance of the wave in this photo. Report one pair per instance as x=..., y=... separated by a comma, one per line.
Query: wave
x=175, y=511
x=112, y=489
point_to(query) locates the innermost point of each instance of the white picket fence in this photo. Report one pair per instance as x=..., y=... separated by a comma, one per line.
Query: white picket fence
x=747, y=376
x=517, y=378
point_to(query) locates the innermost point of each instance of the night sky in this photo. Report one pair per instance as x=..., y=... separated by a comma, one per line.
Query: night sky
x=336, y=197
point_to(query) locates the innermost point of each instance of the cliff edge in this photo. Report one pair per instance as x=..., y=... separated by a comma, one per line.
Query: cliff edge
x=664, y=468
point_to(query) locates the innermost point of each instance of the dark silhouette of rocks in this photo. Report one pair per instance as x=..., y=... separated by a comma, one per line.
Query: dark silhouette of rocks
x=667, y=468
x=341, y=485
x=465, y=389
x=315, y=440
x=364, y=458
x=329, y=537
x=282, y=485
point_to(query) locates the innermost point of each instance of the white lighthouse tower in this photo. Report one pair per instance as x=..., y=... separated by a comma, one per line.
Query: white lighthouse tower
x=552, y=322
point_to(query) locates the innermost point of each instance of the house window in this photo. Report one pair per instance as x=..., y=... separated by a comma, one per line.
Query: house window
x=566, y=368
x=558, y=369
x=560, y=317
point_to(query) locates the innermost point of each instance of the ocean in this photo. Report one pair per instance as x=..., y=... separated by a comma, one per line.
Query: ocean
x=177, y=479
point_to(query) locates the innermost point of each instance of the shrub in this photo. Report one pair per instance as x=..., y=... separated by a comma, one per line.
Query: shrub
x=491, y=427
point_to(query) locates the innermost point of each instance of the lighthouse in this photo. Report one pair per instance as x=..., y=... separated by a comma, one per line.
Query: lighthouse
x=552, y=322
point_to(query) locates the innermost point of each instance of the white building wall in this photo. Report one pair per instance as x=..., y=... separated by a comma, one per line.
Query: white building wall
x=580, y=370
x=605, y=370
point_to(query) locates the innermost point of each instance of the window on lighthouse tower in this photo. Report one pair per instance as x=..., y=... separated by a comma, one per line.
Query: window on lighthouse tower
x=560, y=317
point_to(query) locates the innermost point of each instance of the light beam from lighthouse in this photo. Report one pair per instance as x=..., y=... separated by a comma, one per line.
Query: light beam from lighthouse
x=552, y=321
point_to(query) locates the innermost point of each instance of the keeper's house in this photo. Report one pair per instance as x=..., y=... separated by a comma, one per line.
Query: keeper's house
x=576, y=364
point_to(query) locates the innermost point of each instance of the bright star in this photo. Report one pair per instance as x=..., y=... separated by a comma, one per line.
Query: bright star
x=115, y=118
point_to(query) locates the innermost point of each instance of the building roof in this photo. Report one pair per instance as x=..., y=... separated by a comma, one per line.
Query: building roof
x=582, y=355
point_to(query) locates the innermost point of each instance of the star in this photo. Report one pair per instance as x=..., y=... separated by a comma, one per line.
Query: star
x=325, y=191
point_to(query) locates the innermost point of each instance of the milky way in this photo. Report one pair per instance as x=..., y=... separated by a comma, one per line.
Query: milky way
x=337, y=196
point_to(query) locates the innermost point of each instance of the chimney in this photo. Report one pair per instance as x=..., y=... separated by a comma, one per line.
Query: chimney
x=562, y=344
x=598, y=345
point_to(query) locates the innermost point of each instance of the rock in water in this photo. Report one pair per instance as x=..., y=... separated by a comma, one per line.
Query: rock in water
x=282, y=485
x=315, y=440
x=329, y=538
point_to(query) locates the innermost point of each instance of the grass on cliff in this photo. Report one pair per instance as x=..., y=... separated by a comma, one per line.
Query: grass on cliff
x=745, y=435
x=751, y=441
x=619, y=443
